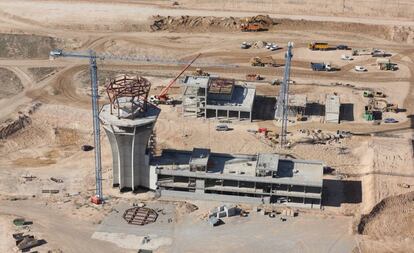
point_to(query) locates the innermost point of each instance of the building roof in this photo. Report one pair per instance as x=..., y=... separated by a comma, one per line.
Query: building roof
x=196, y=81
x=297, y=100
x=243, y=167
x=242, y=99
x=200, y=156
x=268, y=162
x=332, y=104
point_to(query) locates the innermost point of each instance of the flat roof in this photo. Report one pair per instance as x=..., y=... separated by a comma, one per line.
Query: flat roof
x=200, y=156
x=332, y=104
x=242, y=167
x=269, y=162
x=297, y=100
x=196, y=81
x=242, y=98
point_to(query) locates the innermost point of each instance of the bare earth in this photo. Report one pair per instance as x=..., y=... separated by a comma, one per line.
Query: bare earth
x=377, y=162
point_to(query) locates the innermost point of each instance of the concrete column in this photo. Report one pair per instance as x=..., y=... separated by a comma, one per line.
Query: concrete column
x=228, y=114
x=239, y=115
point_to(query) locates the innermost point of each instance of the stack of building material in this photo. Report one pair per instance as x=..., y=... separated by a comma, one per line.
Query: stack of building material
x=223, y=211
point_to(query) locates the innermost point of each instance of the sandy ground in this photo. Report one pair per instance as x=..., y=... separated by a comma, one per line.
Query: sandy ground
x=377, y=160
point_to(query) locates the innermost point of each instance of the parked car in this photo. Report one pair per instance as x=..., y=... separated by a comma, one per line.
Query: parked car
x=245, y=45
x=346, y=57
x=390, y=120
x=342, y=47
x=360, y=69
x=222, y=127
x=274, y=47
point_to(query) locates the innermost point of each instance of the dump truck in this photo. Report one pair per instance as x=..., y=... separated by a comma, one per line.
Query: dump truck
x=263, y=62
x=321, y=66
x=256, y=24
x=251, y=27
x=318, y=46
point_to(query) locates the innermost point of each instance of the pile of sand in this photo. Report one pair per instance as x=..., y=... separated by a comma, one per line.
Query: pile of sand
x=402, y=34
x=10, y=83
x=392, y=217
x=200, y=23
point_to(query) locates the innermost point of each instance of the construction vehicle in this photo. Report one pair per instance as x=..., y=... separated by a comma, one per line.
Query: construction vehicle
x=256, y=24
x=321, y=66
x=254, y=77
x=163, y=98
x=318, y=46
x=263, y=62
x=200, y=72
x=251, y=27
x=391, y=108
x=361, y=51
x=371, y=94
x=386, y=64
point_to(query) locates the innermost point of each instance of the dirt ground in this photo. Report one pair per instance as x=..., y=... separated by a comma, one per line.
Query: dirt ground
x=374, y=163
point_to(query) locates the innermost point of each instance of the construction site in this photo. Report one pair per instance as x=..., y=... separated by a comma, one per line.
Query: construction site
x=161, y=126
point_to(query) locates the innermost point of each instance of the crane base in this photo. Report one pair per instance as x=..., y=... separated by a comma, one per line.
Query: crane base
x=96, y=200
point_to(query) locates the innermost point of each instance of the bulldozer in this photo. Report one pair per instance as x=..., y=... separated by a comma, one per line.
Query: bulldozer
x=263, y=62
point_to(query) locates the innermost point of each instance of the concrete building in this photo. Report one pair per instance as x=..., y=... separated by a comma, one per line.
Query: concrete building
x=332, y=109
x=262, y=178
x=213, y=97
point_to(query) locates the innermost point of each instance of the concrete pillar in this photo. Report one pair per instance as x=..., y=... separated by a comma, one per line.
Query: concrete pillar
x=238, y=115
x=216, y=113
x=228, y=114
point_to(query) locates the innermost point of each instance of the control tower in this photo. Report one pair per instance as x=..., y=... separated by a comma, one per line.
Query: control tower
x=128, y=121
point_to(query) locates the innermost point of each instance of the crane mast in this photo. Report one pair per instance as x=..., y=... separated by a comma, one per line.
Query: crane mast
x=282, y=109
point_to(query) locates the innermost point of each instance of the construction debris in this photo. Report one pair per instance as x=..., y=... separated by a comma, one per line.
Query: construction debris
x=50, y=191
x=263, y=62
x=20, y=121
x=26, y=242
x=56, y=180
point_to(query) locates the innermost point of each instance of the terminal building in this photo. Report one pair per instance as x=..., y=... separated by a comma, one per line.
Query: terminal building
x=262, y=178
x=214, y=97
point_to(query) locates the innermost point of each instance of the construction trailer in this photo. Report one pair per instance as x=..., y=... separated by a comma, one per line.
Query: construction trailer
x=257, y=179
x=332, y=109
x=214, y=97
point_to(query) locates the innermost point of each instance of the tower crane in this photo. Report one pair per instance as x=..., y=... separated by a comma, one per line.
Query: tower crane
x=282, y=109
x=92, y=56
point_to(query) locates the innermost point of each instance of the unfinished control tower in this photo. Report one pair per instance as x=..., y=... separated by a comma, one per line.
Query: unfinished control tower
x=128, y=122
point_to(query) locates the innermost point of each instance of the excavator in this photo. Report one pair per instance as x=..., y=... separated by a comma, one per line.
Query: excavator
x=163, y=97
